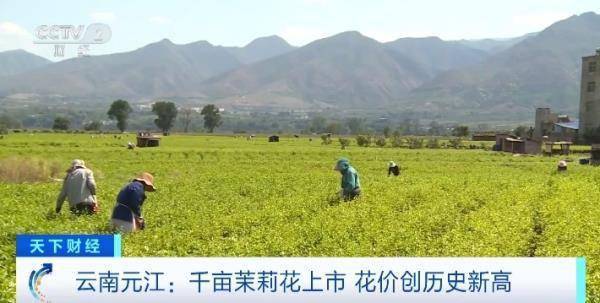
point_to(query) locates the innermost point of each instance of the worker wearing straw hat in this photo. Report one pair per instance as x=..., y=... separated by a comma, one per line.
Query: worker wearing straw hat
x=127, y=214
x=562, y=166
x=79, y=188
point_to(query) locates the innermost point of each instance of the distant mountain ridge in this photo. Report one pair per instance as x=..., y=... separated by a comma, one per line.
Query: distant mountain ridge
x=157, y=69
x=541, y=70
x=347, y=70
x=437, y=55
x=18, y=61
x=493, y=46
x=260, y=49
x=347, y=67
x=268, y=72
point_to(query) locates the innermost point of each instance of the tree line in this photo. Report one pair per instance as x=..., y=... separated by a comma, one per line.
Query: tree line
x=166, y=112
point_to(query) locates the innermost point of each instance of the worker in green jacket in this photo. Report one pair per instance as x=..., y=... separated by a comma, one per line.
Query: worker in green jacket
x=350, y=180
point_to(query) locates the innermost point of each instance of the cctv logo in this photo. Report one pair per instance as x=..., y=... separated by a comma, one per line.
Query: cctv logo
x=59, y=32
x=95, y=33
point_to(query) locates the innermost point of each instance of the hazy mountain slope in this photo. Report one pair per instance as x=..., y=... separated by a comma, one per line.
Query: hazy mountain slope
x=17, y=61
x=493, y=46
x=346, y=69
x=260, y=49
x=436, y=55
x=158, y=69
x=542, y=70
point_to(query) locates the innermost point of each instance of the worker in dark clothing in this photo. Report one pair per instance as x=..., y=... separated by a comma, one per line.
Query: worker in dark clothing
x=127, y=214
x=350, y=181
x=393, y=168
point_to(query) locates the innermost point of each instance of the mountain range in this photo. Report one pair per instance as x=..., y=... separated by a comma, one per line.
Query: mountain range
x=18, y=61
x=347, y=70
x=542, y=70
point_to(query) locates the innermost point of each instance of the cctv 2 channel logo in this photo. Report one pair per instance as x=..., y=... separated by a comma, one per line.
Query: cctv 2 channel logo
x=35, y=281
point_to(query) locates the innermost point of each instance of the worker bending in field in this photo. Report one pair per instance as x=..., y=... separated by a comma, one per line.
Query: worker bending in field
x=79, y=188
x=394, y=169
x=350, y=180
x=562, y=166
x=127, y=214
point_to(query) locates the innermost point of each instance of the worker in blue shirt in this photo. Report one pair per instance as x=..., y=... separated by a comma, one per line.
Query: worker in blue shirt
x=127, y=214
x=350, y=181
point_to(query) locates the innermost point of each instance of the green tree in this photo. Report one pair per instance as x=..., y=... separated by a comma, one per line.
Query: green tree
x=520, y=131
x=415, y=142
x=410, y=126
x=326, y=139
x=435, y=129
x=92, y=126
x=455, y=143
x=318, y=124
x=167, y=113
x=333, y=128
x=397, y=141
x=120, y=110
x=387, y=131
x=363, y=140
x=355, y=125
x=344, y=142
x=433, y=143
x=186, y=118
x=61, y=123
x=460, y=131
x=212, y=117
x=10, y=122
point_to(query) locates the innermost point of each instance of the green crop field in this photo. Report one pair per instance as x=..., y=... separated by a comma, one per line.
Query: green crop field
x=227, y=196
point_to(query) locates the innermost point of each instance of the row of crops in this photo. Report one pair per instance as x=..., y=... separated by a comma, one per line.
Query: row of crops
x=220, y=196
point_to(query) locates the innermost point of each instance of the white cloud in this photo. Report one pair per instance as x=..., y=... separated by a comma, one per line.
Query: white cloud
x=13, y=36
x=103, y=16
x=300, y=35
x=161, y=20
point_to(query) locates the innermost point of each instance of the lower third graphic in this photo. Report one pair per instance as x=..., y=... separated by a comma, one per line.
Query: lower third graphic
x=35, y=280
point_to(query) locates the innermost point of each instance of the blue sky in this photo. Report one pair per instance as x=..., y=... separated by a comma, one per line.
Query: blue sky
x=237, y=22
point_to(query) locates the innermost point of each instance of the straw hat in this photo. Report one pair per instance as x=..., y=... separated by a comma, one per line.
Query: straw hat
x=562, y=163
x=77, y=163
x=392, y=164
x=147, y=179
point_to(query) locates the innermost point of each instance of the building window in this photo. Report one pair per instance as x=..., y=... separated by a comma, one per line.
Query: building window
x=589, y=106
x=592, y=67
x=591, y=87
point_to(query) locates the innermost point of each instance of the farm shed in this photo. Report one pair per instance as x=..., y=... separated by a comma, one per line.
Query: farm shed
x=147, y=140
x=274, y=139
x=512, y=145
x=500, y=140
x=566, y=131
x=564, y=147
x=484, y=137
x=520, y=146
x=555, y=126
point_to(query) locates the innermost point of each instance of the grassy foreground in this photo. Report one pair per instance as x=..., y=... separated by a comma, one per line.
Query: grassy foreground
x=227, y=196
